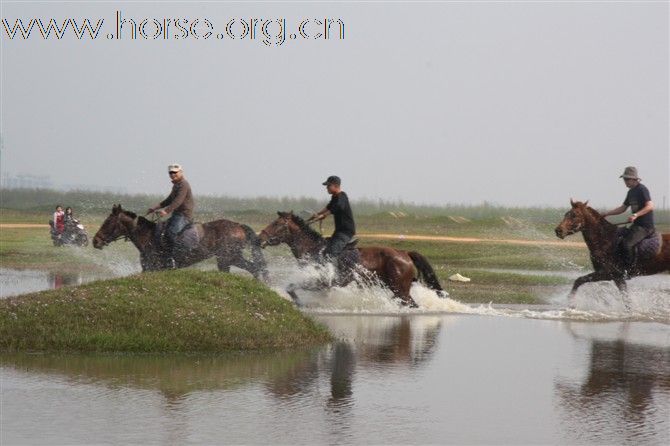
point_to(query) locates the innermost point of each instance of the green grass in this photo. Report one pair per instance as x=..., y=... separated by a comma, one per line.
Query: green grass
x=172, y=311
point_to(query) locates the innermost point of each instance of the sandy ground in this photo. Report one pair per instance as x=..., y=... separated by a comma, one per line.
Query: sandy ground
x=427, y=238
x=439, y=238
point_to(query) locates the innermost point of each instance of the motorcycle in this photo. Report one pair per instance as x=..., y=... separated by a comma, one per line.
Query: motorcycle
x=73, y=234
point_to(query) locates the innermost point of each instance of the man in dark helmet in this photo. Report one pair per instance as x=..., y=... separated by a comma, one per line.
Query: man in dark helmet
x=339, y=207
x=639, y=200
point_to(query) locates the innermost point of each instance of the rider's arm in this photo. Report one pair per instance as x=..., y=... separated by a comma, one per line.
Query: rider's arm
x=616, y=211
x=323, y=213
x=648, y=207
x=167, y=201
x=178, y=199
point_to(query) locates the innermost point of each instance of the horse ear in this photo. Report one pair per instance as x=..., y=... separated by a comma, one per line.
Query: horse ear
x=280, y=213
x=572, y=203
x=116, y=209
x=586, y=202
x=291, y=212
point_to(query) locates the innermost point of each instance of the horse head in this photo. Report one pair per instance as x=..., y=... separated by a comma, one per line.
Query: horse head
x=278, y=231
x=114, y=227
x=574, y=220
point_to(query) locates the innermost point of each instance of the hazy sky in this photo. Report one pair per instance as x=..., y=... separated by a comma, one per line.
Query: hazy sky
x=519, y=103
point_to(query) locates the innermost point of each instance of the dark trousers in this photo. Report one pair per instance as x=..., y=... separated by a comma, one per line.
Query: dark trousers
x=175, y=225
x=634, y=235
x=336, y=244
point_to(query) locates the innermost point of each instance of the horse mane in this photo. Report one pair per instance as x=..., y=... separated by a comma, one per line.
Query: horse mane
x=140, y=220
x=597, y=216
x=307, y=229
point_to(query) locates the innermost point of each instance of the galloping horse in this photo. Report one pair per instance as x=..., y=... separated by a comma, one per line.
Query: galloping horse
x=224, y=239
x=601, y=237
x=394, y=268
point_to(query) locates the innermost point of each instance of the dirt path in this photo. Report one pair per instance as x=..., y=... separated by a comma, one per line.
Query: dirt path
x=425, y=238
x=440, y=238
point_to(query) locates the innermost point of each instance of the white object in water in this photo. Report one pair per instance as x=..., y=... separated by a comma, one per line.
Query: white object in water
x=458, y=278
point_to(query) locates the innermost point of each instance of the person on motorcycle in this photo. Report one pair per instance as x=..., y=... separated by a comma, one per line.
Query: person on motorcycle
x=180, y=203
x=339, y=207
x=639, y=200
x=68, y=219
x=59, y=220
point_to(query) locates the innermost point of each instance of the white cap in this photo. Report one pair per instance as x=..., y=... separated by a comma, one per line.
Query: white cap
x=174, y=168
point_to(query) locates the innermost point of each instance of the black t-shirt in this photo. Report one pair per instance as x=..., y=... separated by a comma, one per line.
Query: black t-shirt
x=637, y=197
x=344, y=218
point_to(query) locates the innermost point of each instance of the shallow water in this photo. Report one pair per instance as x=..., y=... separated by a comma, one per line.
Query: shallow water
x=448, y=379
x=446, y=373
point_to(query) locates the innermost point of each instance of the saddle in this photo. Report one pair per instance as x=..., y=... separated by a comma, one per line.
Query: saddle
x=348, y=258
x=646, y=249
x=187, y=239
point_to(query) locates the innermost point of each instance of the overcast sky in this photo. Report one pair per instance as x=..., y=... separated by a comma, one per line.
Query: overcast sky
x=520, y=103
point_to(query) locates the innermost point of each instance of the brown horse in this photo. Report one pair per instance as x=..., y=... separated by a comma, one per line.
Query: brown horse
x=394, y=268
x=601, y=238
x=222, y=239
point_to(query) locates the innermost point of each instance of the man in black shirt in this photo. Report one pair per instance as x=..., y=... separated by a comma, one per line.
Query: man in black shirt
x=345, y=228
x=639, y=200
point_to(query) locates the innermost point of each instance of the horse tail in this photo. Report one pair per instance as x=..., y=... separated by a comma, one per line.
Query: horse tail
x=426, y=271
x=257, y=258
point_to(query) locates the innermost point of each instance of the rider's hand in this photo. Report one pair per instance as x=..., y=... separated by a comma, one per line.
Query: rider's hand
x=162, y=213
x=314, y=217
x=632, y=218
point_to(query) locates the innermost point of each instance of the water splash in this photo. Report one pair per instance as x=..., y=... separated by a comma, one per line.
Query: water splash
x=120, y=261
x=649, y=299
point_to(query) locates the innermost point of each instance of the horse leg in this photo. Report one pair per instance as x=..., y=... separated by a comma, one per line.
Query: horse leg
x=223, y=264
x=623, y=288
x=291, y=292
x=593, y=277
x=246, y=265
x=401, y=287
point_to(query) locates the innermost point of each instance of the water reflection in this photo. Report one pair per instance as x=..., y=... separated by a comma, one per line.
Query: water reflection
x=14, y=282
x=173, y=376
x=628, y=372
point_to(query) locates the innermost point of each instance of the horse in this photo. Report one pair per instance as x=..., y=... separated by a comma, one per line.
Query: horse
x=395, y=269
x=601, y=238
x=223, y=239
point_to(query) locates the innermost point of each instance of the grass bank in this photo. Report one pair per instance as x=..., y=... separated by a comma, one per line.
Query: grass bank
x=174, y=311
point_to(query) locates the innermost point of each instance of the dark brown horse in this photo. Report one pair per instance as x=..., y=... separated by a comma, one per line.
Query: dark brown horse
x=601, y=238
x=222, y=239
x=396, y=269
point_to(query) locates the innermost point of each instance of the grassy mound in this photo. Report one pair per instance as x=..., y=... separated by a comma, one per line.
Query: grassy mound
x=172, y=311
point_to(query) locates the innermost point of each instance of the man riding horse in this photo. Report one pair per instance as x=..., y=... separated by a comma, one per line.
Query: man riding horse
x=642, y=219
x=180, y=203
x=339, y=207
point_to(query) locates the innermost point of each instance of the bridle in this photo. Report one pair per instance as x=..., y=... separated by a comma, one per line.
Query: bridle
x=107, y=241
x=274, y=239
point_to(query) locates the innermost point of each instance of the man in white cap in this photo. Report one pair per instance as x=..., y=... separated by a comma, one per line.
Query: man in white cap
x=180, y=204
x=639, y=200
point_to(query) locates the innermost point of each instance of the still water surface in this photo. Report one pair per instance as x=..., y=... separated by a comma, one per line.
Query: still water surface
x=439, y=378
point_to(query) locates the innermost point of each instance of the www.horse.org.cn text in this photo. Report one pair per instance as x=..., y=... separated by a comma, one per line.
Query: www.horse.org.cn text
x=270, y=32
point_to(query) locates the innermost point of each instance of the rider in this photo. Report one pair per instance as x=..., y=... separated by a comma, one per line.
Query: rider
x=180, y=204
x=345, y=228
x=639, y=200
